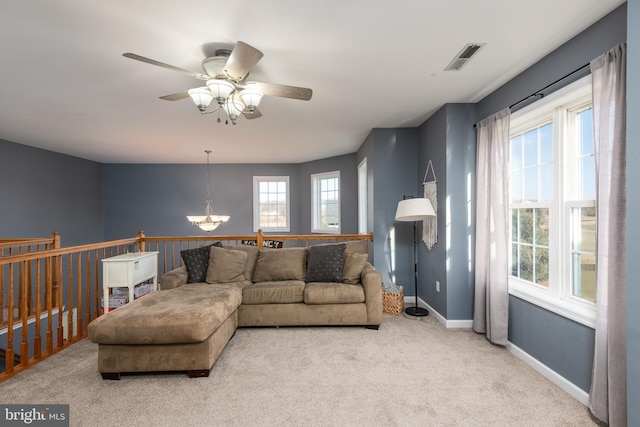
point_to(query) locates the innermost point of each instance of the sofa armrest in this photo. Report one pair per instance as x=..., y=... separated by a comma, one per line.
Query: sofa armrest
x=174, y=278
x=372, y=283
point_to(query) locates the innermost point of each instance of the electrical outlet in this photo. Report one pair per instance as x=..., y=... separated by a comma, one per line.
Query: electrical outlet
x=437, y=286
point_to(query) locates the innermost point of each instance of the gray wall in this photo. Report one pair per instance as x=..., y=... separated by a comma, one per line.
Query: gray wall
x=460, y=194
x=564, y=346
x=348, y=168
x=43, y=191
x=156, y=197
x=592, y=42
x=633, y=207
x=432, y=145
x=392, y=166
x=448, y=139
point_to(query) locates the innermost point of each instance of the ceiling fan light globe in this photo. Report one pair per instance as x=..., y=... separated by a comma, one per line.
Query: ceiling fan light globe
x=251, y=98
x=220, y=89
x=201, y=96
x=233, y=107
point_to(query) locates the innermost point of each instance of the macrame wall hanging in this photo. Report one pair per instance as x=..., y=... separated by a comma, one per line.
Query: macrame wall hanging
x=430, y=225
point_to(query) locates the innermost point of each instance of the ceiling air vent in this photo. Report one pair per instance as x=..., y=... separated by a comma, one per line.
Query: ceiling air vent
x=464, y=56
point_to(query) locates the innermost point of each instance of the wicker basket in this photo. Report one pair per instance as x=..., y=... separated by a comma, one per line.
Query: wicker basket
x=393, y=303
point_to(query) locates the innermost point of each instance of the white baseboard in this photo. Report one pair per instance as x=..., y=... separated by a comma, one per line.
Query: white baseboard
x=566, y=385
x=449, y=324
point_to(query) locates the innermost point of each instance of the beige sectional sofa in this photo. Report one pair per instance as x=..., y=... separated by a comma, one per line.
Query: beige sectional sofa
x=186, y=325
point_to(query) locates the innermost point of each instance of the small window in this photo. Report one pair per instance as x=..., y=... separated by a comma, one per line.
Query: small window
x=271, y=203
x=325, y=202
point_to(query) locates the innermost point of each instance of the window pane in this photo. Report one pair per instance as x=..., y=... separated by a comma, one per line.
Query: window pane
x=546, y=183
x=526, y=263
x=584, y=276
x=542, y=266
x=587, y=178
x=531, y=185
x=546, y=144
x=526, y=225
x=516, y=186
x=585, y=119
x=514, y=260
x=583, y=251
x=516, y=152
x=542, y=227
x=531, y=148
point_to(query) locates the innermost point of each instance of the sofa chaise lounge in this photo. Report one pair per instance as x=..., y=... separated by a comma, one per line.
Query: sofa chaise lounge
x=186, y=325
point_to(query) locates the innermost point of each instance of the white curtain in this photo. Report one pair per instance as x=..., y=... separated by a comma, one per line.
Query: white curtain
x=608, y=396
x=491, y=303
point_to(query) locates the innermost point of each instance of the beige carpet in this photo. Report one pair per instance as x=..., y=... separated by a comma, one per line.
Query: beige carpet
x=408, y=373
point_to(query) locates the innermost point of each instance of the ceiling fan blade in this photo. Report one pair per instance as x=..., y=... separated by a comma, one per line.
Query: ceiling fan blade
x=242, y=59
x=176, y=96
x=256, y=114
x=163, y=65
x=283, y=91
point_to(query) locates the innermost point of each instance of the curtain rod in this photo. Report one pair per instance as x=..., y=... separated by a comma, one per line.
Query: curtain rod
x=541, y=95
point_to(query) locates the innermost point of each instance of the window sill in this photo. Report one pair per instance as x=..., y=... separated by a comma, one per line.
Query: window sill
x=579, y=312
x=326, y=231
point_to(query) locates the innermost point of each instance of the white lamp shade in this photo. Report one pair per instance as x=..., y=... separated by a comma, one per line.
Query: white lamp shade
x=251, y=97
x=233, y=107
x=415, y=209
x=220, y=89
x=201, y=96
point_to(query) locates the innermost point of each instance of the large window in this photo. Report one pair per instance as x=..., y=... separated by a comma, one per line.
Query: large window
x=552, y=203
x=325, y=202
x=271, y=203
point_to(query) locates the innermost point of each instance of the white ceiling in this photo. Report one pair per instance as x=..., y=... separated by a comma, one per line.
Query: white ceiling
x=66, y=87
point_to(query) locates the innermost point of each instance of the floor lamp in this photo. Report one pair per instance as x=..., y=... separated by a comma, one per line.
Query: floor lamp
x=414, y=209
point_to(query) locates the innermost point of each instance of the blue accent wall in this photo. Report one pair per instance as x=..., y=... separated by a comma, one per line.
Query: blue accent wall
x=564, y=346
x=432, y=145
x=392, y=167
x=633, y=207
x=571, y=358
x=460, y=205
x=42, y=191
x=348, y=168
x=156, y=198
x=448, y=139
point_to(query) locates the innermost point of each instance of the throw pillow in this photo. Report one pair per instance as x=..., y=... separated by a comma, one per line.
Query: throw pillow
x=197, y=261
x=353, y=265
x=226, y=265
x=252, y=258
x=280, y=264
x=326, y=263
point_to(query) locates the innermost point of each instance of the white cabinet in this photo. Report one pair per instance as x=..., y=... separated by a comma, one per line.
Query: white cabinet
x=128, y=270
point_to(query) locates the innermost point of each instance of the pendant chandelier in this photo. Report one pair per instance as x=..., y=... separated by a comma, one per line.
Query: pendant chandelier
x=208, y=222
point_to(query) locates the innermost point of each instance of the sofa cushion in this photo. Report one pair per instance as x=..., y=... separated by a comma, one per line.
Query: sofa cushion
x=325, y=263
x=280, y=264
x=333, y=293
x=186, y=314
x=279, y=292
x=353, y=265
x=252, y=257
x=226, y=265
x=197, y=262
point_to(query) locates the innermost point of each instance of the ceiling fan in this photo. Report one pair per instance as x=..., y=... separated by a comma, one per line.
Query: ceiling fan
x=225, y=77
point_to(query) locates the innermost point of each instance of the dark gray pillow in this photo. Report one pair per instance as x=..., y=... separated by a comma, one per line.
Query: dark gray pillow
x=197, y=261
x=325, y=263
